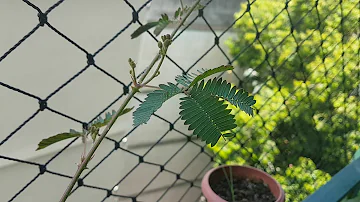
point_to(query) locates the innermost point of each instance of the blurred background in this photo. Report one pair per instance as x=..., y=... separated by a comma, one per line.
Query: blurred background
x=64, y=63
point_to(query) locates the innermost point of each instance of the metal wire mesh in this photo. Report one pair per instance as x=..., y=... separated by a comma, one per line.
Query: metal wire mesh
x=293, y=94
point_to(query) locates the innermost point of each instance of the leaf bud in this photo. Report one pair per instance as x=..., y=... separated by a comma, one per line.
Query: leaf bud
x=132, y=63
x=160, y=45
x=167, y=43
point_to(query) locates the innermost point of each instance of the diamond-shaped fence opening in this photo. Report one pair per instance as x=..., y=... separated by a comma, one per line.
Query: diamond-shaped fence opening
x=299, y=58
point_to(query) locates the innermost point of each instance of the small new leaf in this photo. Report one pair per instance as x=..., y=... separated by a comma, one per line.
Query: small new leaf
x=100, y=122
x=57, y=138
x=143, y=29
x=93, y=136
x=177, y=13
x=162, y=24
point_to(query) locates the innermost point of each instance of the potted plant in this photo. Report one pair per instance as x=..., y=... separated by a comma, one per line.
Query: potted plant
x=203, y=102
x=240, y=183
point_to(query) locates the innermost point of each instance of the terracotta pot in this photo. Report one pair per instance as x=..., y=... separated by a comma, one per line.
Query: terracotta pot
x=216, y=174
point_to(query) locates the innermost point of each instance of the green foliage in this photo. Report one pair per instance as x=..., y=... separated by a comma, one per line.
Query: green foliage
x=206, y=115
x=356, y=199
x=203, y=106
x=301, y=179
x=57, y=138
x=282, y=48
x=303, y=80
x=153, y=102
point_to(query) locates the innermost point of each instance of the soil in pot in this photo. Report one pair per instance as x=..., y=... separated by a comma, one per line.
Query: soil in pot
x=245, y=190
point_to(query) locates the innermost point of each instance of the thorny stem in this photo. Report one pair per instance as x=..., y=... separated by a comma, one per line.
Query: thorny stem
x=96, y=144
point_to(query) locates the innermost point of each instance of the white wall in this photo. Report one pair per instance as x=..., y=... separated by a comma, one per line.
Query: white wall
x=46, y=60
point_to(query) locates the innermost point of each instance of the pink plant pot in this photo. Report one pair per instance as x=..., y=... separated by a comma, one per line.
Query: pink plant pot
x=216, y=174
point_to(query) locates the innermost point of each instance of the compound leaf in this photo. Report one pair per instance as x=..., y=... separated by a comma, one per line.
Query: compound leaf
x=206, y=115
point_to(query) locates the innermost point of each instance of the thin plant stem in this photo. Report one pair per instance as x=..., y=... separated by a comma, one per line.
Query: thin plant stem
x=157, y=69
x=230, y=182
x=96, y=144
x=156, y=58
x=186, y=16
x=150, y=86
x=86, y=160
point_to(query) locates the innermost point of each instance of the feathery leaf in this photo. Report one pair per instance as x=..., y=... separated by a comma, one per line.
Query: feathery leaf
x=237, y=97
x=206, y=115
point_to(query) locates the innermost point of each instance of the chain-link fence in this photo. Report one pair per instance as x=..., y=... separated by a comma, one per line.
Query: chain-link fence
x=299, y=58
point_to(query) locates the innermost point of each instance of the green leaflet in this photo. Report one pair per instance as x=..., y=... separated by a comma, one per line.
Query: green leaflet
x=211, y=72
x=220, y=88
x=229, y=135
x=143, y=29
x=57, y=138
x=178, y=13
x=206, y=115
x=160, y=25
x=153, y=102
x=191, y=79
x=100, y=122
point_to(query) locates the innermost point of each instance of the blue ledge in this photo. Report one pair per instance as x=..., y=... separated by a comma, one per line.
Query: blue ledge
x=339, y=185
